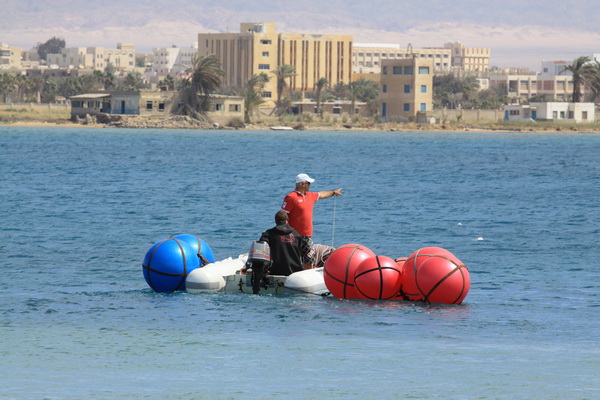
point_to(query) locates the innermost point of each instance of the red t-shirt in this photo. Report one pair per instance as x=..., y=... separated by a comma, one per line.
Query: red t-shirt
x=300, y=211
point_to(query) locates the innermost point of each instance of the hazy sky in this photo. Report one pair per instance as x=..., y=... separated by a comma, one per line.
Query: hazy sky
x=520, y=33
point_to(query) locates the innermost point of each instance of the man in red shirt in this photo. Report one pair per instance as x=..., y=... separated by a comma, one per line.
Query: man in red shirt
x=299, y=205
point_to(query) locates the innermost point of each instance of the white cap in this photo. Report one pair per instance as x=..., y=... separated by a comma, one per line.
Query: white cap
x=304, y=178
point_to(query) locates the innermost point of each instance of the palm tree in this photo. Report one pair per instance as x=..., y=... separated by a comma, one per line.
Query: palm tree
x=339, y=91
x=282, y=73
x=133, y=81
x=362, y=90
x=321, y=84
x=252, y=94
x=592, y=79
x=7, y=86
x=204, y=78
x=579, y=69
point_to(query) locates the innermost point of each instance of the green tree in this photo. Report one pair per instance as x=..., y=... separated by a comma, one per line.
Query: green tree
x=320, y=86
x=168, y=83
x=204, y=78
x=7, y=86
x=454, y=91
x=133, y=81
x=52, y=46
x=592, y=80
x=339, y=91
x=282, y=74
x=252, y=94
x=362, y=90
x=579, y=69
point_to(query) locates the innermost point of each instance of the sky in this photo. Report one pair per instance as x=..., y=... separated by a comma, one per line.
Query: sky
x=519, y=33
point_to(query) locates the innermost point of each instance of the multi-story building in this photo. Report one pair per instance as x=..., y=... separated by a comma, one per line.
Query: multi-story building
x=469, y=59
x=524, y=87
x=406, y=88
x=10, y=57
x=96, y=58
x=367, y=57
x=172, y=60
x=259, y=48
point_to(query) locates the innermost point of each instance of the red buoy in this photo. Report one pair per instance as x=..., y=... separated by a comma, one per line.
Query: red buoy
x=338, y=271
x=377, y=278
x=435, y=275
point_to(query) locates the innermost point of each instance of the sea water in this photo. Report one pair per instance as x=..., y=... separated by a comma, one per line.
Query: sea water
x=79, y=208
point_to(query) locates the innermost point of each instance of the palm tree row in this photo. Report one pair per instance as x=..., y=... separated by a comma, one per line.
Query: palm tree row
x=18, y=88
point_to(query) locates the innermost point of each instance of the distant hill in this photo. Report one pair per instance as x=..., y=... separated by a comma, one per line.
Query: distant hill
x=507, y=24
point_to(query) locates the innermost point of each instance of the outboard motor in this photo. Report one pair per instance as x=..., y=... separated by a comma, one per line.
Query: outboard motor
x=259, y=259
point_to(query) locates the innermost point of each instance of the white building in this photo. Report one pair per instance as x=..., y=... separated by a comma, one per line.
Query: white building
x=172, y=60
x=96, y=58
x=554, y=111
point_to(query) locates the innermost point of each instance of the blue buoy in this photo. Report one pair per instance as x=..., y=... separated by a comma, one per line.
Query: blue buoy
x=205, y=253
x=167, y=264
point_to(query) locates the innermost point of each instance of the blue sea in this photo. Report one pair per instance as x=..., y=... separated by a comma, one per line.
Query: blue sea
x=79, y=208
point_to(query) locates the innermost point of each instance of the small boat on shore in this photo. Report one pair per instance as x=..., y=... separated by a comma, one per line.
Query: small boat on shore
x=281, y=128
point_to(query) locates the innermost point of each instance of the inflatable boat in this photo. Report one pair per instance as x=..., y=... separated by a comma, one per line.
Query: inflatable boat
x=229, y=276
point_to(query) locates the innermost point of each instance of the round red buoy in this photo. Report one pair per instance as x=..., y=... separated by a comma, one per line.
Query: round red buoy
x=338, y=271
x=435, y=275
x=377, y=278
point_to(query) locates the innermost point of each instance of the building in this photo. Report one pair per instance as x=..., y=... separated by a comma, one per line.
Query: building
x=524, y=87
x=406, y=88
x=551, y=111
x=367, y=57
x=10, y=57
x=259, y=48
x=148, y=103
x=95, y=58
x=469, y=59
x=138, y=102
x=336, y=108
x=172, y=60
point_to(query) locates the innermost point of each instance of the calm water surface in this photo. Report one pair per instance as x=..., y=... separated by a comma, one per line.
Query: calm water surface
x=79, y=208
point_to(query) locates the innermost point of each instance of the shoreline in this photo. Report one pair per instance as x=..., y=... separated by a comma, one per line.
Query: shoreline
x=387, y=127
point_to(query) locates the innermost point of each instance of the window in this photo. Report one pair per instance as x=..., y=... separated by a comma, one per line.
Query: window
x=423, y=88
x=397, y=70
x=384, y=88
x=265, y=54
x=406, y=88
x=408, y=70
x=571, y=115
x=584, y=115
x=266, y=95
x=148, y=105
x=384, y=70
x=337, y=110
x=562, y=115
x=219, y=107
x=384, y=55
x=234, y=108
x=264, y=66
x=423, y=107
x=407, y=107
x=161, y=106
x=265, y=41
x=423, y=70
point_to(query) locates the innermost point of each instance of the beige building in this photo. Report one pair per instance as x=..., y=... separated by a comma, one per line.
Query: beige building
x=469, y=59
x=406, y=88
x=10, y=57
x=259, y=48
x=367, y=57
x=96, y=58
x=524, y=87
